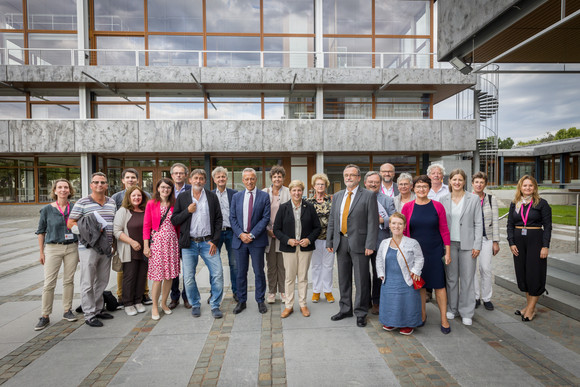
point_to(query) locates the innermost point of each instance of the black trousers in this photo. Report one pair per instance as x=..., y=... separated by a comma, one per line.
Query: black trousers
x=134, y=280
x=530, y=268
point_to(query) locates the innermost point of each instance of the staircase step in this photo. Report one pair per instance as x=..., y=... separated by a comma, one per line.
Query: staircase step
x=565, y=280
x=569, y=262
x=557, y=299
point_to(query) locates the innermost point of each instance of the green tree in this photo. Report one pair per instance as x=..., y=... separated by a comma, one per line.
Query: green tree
x=507, y=143
x=561, y=134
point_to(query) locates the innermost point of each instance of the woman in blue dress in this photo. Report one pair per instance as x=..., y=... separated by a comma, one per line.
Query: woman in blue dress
x=427, y=223
x=399, y=262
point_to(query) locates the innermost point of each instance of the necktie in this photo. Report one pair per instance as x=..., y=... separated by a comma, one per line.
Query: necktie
x=343, y=228
x=250, y=209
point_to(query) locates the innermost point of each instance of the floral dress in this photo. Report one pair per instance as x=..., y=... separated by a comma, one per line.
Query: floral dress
x=164, y=261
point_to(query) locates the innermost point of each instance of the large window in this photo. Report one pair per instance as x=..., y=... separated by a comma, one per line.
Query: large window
x=40, y=105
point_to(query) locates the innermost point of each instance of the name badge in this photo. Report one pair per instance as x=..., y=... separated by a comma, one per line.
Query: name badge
x=69, y=237
x=524, y=231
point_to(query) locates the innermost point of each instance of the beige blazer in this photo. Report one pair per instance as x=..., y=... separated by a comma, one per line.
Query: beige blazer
x=470, y=224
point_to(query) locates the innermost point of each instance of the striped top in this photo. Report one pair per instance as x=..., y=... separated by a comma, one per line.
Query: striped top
x=86, y=205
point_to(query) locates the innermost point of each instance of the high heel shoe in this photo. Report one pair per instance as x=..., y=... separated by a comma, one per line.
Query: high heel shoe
x=422, y=323
x=518, y=312
x=527, y=319
x=167, y=311
x=155, y=317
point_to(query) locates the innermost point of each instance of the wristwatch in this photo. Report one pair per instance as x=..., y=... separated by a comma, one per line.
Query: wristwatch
x=252, y=236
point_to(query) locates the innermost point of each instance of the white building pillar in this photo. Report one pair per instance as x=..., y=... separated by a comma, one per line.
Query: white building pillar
x=86, y=168
x=319, y=31
x=319, y=162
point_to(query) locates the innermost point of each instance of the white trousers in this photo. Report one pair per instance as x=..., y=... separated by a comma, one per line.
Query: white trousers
x=322, y=265
x=484, y=266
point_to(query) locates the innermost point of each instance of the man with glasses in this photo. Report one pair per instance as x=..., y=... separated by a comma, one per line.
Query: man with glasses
x=352, y=233
x=95, y=266
x=179, y=175
x=388, y=187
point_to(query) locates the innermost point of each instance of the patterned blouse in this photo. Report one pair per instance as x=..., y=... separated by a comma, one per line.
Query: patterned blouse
x=323, y=211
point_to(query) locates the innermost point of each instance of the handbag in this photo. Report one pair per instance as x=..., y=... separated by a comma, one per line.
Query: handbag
x=417, y=284
x=117, y=265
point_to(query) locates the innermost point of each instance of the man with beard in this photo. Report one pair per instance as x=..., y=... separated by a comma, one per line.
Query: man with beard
x=388, y=187
x=197, y=212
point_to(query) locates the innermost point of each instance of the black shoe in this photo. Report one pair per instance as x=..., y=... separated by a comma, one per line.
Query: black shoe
x=42, y=323
x=477, y=303
x=147, y=300
x=488, y=305
x=339, y=316
x=241, y=306
x=236, y=298
x=361, y=321
x=104, y=316
x=173, y=304
x=262, y=308
x=79, y=309
x=444, y=330
x=94, y=322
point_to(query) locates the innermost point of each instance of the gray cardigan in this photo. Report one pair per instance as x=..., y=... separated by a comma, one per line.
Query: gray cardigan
x=470, y=223
x=122, y=217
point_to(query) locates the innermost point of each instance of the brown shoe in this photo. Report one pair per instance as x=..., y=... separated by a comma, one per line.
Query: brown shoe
x=173, y=304
x=186, y=304
x=375, y=309
x=286, y=312
x=305, y=311
x=329, y=297
x=315, y=297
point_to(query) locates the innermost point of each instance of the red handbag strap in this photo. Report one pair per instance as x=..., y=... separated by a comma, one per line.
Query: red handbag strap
x=396, y=244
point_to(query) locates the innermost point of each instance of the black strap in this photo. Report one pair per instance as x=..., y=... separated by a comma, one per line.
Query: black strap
x=163, y=217
x=489, y=197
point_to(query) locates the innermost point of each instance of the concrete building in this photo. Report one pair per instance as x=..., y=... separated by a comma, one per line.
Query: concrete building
x=312, y=85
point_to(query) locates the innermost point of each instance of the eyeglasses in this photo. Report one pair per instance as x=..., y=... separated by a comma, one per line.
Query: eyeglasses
x=421, y=187
x=389, y=172
x=165, y=188
x=351, y=175
x=178, y=173
x=98, y=182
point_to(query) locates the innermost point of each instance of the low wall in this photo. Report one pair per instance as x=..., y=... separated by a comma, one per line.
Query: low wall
x=505, y=196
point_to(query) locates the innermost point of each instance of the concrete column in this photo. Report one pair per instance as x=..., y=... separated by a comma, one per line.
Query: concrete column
x=319, y=31
x=319, y=103
x=476, y=164
x=82, y=31
x=320, y=162
x=501, y=170
x=86, y=171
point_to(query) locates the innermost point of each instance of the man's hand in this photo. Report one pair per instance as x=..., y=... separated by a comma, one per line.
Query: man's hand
x=212, y=248
x=495, y=248
x=245, y=237
x=192, y=207
x=369, y=252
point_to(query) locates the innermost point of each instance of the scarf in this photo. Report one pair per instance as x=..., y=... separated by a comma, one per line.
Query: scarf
x=525, y=200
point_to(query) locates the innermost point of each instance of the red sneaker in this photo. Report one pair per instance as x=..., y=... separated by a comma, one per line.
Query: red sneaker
x=406, y=331
x=386, y=328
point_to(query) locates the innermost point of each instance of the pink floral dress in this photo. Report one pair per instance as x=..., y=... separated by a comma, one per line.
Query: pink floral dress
x=164, y=261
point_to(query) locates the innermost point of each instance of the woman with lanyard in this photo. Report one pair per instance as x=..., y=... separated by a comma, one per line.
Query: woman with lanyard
x=58, y=245
x=529, y=230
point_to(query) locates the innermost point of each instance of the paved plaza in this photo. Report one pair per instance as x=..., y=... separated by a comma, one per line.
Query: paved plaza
x=252, y=349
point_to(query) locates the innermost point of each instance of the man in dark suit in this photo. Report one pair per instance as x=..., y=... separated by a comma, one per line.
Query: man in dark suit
x=352, y=233
x=179, y=175
x=225, y=195
x=386, y=208
x=249, y=216
x=197, y=212
x=388, y=186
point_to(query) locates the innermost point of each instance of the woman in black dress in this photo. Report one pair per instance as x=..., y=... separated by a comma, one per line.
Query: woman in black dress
x=529, y=230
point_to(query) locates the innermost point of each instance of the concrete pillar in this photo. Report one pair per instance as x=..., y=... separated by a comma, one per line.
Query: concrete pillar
x=86, y=171
x=319, y=162
x=476, y=164
x=319, y=103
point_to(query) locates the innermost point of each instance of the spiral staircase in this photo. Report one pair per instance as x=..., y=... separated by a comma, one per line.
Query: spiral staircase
x=486, y=94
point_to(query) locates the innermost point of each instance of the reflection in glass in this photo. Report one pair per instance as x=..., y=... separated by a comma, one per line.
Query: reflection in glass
x=172, y=44
x=47, y=49
x=14, y=42
x=46, y=177
x=16, y=185
x=301, y=59
x=12, y=109
x=238, y=111
x=402, y=17
x=233, y=16
x=52, y=15
x=11, y=15
x=119, y=112
x=343, y=52
x=348, y=17
x=288, y=17
x=348, y=108
x=122, y=50
x=413, y=53
x=59, y=161
x=175, y=15
x=113, y=15
x=46, y=111
x=293, y=108
x=230, y=55
x=176, y=111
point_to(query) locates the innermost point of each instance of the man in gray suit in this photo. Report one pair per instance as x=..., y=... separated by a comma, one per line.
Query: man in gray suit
x=386, y=208
x=352, y=233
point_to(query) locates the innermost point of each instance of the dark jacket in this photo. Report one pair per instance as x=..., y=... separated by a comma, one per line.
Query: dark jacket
x=284, y=226
x=91, y=236
x=181, y=217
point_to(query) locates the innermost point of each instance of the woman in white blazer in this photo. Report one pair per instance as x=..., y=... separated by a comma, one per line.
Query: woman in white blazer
x=400, y=305
x=128, y=229
x=463, y=211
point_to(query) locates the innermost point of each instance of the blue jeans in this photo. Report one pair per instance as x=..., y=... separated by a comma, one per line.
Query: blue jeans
x=226, y=238
x=190, y=258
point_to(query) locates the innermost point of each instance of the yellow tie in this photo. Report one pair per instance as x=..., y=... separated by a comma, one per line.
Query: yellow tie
x=343, y=228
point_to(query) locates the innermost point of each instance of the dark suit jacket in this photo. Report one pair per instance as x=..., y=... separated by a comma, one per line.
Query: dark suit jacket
x=284, y=226
x=362, y=222
x=182, y=217
x=260, y=218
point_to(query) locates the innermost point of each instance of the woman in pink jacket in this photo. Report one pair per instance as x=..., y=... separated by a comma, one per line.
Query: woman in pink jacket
x=427, y=223
x=161, y=245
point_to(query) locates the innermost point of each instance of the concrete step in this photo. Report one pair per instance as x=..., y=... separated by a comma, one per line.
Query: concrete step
x=565, y=280
x=557, y=299
x=569, y=262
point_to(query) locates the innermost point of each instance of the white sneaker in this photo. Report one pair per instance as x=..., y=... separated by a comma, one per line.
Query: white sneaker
x=130, y=310
x=466, y=321
x=450, y=316
x=140, y=308
x=271, y=298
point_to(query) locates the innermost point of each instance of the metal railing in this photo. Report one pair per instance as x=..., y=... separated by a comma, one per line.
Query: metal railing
x=216, y=58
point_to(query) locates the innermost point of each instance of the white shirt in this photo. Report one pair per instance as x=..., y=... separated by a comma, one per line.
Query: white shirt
x=297, y=223
x=246, y=202
x=444, y=190
x=354, y=191
x=390, y=191
x=225, y=206
x=200, y=226
x=177, y=192
x=454, y=227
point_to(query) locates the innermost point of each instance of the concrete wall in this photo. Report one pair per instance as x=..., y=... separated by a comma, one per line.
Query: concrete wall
x=64, y=136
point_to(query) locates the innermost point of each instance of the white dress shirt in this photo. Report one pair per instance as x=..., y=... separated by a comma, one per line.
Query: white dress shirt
x=246, y=202
x=200, y=225
x=225, y=206
x=354, y=191
x=444, y=190
x=390, y=192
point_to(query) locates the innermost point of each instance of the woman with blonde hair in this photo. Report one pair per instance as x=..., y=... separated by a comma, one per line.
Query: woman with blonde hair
x=529, y=229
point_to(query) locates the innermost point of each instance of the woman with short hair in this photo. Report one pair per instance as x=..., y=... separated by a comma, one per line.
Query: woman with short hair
x=406, y=194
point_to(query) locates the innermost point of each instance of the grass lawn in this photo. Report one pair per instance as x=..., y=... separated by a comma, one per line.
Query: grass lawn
x=560, y=214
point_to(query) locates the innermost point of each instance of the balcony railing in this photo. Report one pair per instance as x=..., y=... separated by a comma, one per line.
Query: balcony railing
x=210, y=58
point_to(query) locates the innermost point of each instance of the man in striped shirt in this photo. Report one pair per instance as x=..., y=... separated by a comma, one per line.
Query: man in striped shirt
x=95, y=267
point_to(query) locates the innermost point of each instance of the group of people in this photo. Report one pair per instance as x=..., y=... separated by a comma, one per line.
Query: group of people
x=399, y=240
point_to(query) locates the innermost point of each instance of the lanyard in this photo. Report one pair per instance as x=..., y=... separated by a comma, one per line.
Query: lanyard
x=527, y=213
x=63, y=213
